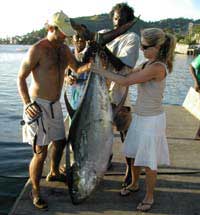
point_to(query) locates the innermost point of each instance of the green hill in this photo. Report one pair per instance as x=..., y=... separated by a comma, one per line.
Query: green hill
x=177, y=26
x=103, y=21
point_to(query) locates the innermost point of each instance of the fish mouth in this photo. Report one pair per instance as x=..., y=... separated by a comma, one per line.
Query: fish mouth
x=76, y=199
x=83, y=182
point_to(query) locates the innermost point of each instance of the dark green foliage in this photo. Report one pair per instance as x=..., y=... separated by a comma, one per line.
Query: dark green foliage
x=32, y=37
x=178, y=27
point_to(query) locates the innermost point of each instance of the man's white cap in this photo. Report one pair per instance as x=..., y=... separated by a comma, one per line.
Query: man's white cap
x=62, y=21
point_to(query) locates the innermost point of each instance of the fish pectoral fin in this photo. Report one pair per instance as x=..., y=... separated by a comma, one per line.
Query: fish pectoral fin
x=70, y=110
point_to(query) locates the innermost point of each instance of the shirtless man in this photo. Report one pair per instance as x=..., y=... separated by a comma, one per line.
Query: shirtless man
x=46, y=61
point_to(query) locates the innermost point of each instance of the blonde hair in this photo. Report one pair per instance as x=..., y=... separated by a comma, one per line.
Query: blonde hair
x=167, y=42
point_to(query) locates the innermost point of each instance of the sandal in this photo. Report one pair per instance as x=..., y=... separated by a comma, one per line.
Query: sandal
x=144, y=206
x=128, y=190
x=61, y=177
x=38, y=202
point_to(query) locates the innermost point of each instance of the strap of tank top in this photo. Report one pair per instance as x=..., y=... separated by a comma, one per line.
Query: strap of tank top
x=166, y=69
x=145, y=63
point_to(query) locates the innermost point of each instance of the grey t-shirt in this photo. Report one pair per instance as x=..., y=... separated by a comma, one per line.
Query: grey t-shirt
x=125, y=47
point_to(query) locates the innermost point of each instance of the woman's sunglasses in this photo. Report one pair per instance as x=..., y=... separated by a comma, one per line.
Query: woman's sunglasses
x=146, y=46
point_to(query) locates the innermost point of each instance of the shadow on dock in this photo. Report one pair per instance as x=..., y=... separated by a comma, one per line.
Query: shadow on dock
x=177, y=191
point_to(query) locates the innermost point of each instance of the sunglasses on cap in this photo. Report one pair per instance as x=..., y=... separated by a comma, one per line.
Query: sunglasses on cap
x=146, y=46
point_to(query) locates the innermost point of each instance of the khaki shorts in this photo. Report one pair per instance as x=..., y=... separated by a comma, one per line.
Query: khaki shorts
x=49, y=127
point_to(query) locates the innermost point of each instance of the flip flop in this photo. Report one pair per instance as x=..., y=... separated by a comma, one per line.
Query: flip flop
x=61, y=177
x=144, y=206
x=38, y=202
x=128, y=190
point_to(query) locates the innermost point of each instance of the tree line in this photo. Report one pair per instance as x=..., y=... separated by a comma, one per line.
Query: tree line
x=179, y=27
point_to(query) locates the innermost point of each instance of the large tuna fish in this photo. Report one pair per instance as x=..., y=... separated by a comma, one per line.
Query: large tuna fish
x=90, y=137
x=90, y=134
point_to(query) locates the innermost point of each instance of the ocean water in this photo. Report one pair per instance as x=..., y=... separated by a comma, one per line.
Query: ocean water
x=14, y=155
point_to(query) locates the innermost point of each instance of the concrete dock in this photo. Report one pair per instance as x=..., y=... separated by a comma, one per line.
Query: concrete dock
x=177, y=191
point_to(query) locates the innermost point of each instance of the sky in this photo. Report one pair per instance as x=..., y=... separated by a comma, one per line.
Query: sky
x=18, y=17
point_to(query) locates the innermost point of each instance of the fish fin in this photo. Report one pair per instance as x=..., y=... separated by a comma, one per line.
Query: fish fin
x=82, y=30
x=104, y=38
x=70, y=110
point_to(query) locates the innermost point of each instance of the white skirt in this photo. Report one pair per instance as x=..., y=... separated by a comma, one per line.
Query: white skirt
x=146, y=141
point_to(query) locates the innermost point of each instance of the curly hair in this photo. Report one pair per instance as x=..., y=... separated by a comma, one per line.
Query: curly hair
x=125, y=8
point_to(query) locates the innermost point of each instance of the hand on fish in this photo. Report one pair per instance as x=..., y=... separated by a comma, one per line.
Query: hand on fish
x=70, y=80
x=97, y=68
x=101, y=67
x=104, y=59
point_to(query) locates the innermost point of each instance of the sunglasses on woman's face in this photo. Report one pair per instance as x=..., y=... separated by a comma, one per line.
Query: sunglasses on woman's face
x=146, y=46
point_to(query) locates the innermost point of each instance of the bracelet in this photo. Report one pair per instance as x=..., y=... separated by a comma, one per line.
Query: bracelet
x=28, y=105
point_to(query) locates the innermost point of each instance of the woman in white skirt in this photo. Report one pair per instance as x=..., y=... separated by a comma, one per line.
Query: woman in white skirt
x=146, y=140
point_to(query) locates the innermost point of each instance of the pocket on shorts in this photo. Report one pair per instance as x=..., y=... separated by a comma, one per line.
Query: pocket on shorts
x=29, y=132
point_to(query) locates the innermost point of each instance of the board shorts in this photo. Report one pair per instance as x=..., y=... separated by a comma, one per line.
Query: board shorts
x=48, y=127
